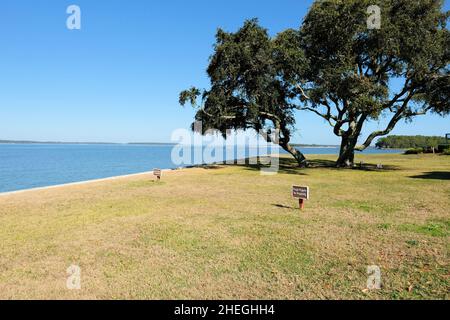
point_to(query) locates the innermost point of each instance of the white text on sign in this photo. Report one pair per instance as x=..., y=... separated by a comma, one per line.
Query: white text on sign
x=300, y=192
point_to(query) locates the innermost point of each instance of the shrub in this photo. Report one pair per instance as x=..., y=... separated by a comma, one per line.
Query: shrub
x=446, y=152
x=414, y=151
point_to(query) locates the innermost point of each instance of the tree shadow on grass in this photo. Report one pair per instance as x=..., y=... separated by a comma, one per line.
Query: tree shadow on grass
x=286, y=165
x=214, y=166
x=321, y=163
x=433, y=175
x=373, y=167
x=290, y=166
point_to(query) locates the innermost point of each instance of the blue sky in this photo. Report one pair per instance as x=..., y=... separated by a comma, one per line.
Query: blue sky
x=118, y=78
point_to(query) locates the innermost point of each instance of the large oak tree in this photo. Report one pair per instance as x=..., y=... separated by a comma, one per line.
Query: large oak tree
x=357, y=74
x=334, y=66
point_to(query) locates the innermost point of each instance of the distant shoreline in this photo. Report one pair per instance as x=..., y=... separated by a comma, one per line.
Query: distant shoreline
x=138, y=143
x=312, y=146
x=80, y=143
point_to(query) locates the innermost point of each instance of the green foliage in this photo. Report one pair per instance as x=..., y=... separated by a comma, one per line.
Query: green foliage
x=403, y=142
x=446, y=152
x=350, y=67
x=334, y=66
x=246, y=90
x=414, y=151
x=251, y=88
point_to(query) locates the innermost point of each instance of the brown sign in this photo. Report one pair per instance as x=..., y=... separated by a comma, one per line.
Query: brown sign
x=300, y=192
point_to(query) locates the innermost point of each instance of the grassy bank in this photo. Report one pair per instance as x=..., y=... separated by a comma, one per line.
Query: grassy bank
x=229, y=232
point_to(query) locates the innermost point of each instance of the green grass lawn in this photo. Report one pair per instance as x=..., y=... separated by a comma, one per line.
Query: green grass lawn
x=229, y=232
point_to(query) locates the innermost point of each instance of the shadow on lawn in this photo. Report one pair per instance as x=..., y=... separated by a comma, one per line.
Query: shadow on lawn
x=289, y=166
x=286, y=165
x=433, y=175
x=373, y=167
x=212, y=166
x=282, y=206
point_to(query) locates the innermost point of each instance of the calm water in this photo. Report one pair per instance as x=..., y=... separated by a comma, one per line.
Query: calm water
x=24, y=166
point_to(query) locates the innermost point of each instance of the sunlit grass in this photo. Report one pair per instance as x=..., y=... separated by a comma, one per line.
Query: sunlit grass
x=233, y=233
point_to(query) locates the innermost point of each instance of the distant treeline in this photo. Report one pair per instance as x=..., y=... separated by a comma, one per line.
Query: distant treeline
x=403, y=142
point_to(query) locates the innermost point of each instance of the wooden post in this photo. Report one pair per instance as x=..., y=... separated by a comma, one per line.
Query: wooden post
x=301, y=204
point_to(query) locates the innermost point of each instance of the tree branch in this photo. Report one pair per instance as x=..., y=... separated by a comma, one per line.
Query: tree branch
x=222, y=117
x=395, y=118
x=270, y=116
x=327, y=116
x=302, y=92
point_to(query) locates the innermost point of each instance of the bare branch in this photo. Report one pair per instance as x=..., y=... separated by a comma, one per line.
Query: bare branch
x=325, y=116
x=302, y=92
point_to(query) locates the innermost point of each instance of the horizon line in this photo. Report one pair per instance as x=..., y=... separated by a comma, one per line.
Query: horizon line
x=129, y=143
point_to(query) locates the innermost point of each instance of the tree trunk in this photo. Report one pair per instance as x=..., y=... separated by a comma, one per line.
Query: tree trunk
x=298, y=156
x=347, y=152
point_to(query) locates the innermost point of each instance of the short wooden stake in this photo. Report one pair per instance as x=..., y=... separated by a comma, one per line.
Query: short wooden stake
x=301, y=203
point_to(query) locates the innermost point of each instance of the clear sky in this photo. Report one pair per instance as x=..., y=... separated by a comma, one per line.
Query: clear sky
x=118, y=78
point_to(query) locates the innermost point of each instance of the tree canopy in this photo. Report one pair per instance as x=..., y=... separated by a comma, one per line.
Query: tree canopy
x=248, y=89
x=334, y=66
x=356, y=74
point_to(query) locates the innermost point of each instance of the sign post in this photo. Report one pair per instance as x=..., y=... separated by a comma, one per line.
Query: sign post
x=157, y=173
x=302, y=194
